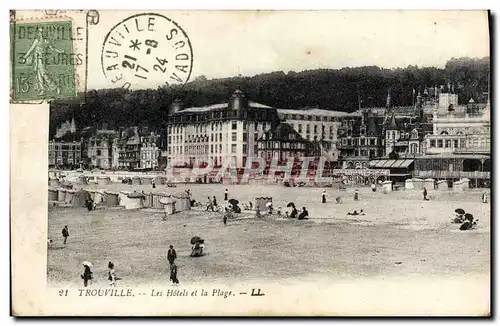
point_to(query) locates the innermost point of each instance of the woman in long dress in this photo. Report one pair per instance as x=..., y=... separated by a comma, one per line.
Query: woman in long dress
x=36, y=55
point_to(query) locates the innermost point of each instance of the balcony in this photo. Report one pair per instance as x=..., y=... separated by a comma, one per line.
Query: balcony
x=452, y=174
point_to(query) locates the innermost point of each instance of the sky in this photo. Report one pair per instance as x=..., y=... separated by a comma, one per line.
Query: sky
x=228, y=43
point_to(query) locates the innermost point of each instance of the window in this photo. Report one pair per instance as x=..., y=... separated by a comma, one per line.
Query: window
x=244, y=148
x=300, y=128
x=362, y=141
x=244, y=125
x=245, y=136
x=233, y=136
x=220, y=148
x=233, y=148
x=440, y=143
x=211, y=137
x=448, y=143
x=255, y=149
x=455, y=143
x=308, y=129
x=433, y=143
x=211, y=148
x=234, y=125
x=309, y=118
x=220, y=136
x=315, y=129
x=318, y=118
x=98, y=152
x=372, y=141
x=255, y=136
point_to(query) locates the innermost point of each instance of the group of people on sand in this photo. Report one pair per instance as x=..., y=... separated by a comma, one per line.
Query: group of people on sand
x=88, y=276
x=338, y=199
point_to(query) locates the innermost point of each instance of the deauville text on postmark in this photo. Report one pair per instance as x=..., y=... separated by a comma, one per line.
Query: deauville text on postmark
x=146, y=49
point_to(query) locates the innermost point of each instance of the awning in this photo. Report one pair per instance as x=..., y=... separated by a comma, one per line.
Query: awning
x=392, y=164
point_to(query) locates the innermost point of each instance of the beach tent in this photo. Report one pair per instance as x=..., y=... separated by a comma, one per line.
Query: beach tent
x=112, y=198
x=53, y=194
x=54, y=183
x=135, y=200
x=169, y=204
x=442, y=185
x=465, y=183
x=123, y=197
x=261, y=202
x=458, y=185
x=70, y=198
x=82, y=180
x=104, y=180
x=146, y=180
x=156, y=199
x=136, y=180
x=66, y=185
x=148, y=200
x=183, y=202
x=160, y=180
x=99, y=197
x=387, y=186
x=409, y=184
x=429, y=183
x=80, y=198
x=418, y=184
x=61, y=194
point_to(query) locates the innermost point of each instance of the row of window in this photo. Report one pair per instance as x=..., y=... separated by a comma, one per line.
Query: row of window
x=215, y=126
x=311, y=118
x=372, y=141
x=285, y=145
x=299, y=128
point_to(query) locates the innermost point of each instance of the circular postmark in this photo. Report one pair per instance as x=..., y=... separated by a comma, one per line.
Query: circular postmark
x=146, y=50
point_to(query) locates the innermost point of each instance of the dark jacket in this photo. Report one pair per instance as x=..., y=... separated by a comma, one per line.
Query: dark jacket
x=171, y=255
x=65, y=232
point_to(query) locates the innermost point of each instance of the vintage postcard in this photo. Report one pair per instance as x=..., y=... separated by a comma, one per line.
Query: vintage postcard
x=250, y=163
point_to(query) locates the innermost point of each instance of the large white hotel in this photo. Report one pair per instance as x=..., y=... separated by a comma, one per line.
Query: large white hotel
x=232, y=130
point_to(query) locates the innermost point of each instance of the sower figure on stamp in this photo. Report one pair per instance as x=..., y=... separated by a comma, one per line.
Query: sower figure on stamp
x=65, y=233
x=171, y=254
x=37, y=56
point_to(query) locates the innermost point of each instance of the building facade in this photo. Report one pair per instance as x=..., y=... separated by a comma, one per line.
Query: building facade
x=317, y=126
x=65, y=154
x=219, y=132
x=102, y=150
x=283, y=143
x=129, y=150
x=150, y=152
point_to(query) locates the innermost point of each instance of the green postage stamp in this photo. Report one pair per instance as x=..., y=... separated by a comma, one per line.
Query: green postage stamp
x=43, y=61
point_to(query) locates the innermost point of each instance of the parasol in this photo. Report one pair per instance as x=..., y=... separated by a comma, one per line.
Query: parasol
x=87, y=263
x=196, y=239
x=269, y=204
x=290, y=204
x=233, y=202
x=469, y=217
x=459, y=211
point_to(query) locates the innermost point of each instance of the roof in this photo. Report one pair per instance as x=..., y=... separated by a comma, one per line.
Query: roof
x=222, y=106
x=314, y=112
x=393, y=164
x=282, y=132
x=451, y=155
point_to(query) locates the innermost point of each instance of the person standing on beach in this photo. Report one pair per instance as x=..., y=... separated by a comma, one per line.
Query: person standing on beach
x=323, y=197
x=209, y=205
x=171, y=255
x=214, y=202
x=111, y=274
x=356, y=195
x=86, y=276
x=225, y=195
x=173, y=273
x=153, y=184
x=65, y=233
x=374, y=187
x=425, y=194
